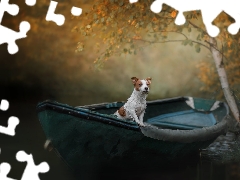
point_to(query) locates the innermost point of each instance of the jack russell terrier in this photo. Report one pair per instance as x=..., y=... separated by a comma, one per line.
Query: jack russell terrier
x=135, y=106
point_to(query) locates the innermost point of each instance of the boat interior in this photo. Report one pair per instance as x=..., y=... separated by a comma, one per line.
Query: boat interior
x=172, y=113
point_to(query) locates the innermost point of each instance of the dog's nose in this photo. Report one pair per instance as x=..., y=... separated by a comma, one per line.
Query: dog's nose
x=146, y=88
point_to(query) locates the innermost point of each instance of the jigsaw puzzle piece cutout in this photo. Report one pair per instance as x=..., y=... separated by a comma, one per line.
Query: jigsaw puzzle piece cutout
x=232, y=9
x=189, y=5
x=76, y=11
x=4, y=105
x=234, y=28
x=4, y=170
x=31, y=171
x=12, y=124
x=208, y=18
x=12, y=9
x=51, y=16
x=9, y=36
x=133, y=1
x=210, y=10
x=208, y=14
x=30, y=2
x=12, y=121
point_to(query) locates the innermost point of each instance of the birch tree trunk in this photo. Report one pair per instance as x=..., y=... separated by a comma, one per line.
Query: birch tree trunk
x=223, y=79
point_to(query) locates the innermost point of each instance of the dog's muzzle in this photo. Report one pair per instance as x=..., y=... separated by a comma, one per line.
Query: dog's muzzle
x=146, y=89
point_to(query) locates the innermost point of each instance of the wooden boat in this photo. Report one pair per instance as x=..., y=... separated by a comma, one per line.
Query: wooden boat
x=92, y=134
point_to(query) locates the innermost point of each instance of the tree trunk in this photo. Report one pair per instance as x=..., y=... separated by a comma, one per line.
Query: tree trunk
x=223, y=79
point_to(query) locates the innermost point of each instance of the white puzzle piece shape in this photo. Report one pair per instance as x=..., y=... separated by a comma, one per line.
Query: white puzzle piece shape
x=12, y=124
x=30, y=2
x=59, y=19
x=4, y=170
x=31, y=171
x=12, y=9
x=210, y=10
x=4, y=105
x=76, y=11
x=12, y=121
x=7, y=35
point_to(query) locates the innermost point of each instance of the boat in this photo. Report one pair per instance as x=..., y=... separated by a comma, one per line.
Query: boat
x=91, y=134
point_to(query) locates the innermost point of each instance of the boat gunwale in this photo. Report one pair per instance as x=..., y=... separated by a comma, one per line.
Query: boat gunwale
x=103, y=105
x=87, y=112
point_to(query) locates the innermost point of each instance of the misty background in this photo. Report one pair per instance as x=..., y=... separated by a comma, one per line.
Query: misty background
x=47, y=66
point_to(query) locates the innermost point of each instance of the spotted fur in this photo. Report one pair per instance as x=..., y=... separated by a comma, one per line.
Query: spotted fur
x=135, y=106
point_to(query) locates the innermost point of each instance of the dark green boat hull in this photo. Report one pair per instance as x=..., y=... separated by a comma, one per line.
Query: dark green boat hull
x=84, y=137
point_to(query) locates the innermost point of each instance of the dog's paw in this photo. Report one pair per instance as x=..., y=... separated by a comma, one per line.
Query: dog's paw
x=141, y=124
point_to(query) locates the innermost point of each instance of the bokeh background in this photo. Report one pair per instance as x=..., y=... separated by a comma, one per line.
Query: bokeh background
x=47, y=67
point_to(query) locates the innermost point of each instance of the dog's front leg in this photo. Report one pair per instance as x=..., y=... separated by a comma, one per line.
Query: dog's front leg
x=134, y=116
x=141, y=118
x=136, y=119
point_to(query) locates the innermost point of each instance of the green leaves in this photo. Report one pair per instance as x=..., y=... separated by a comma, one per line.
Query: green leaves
x=190, y=42
x=95, y=16
x=198, y=37
x=80, y=47
x=124, y=28
x=187, y=42
x=102, y=19
x=197, y=48
x=88, y=26
x=121, y=3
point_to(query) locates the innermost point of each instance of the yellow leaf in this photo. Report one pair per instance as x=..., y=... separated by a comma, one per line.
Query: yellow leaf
x=229, y=43
x=173, y=14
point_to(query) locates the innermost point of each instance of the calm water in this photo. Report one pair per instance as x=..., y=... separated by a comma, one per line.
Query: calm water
x=220, y=161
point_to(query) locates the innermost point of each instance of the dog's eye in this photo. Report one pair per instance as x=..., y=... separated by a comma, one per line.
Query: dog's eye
x=140, y=84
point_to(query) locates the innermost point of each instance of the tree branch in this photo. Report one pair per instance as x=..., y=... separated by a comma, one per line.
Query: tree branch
x=213, y=46
x=194, y=25
x=210, y=44
x=201, y=44
x=172, y=32
x=151, y=42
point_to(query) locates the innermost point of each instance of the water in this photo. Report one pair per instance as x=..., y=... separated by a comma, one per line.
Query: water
x=220, y=161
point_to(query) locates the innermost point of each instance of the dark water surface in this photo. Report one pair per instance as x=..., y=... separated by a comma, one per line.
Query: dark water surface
x=220, y=161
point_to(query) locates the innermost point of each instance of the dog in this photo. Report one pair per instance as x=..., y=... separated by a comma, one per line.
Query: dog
x=135, y=106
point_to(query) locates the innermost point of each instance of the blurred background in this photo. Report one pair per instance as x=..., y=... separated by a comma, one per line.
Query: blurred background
x=47, y=67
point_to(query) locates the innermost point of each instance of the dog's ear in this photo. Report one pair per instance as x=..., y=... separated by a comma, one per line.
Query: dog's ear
x=134, y=80
x=149, y=80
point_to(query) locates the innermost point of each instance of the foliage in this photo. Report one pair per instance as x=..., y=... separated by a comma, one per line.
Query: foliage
x=44, y=52
x=229, y=47
x=208, y=75
x=125, y=28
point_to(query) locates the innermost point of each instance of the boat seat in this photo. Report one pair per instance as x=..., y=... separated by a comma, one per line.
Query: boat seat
x=189, y=119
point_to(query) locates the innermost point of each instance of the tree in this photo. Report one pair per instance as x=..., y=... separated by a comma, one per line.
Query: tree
x=126, y=28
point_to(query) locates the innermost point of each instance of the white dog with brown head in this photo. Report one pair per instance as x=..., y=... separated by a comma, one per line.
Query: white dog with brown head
x=135, y=106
